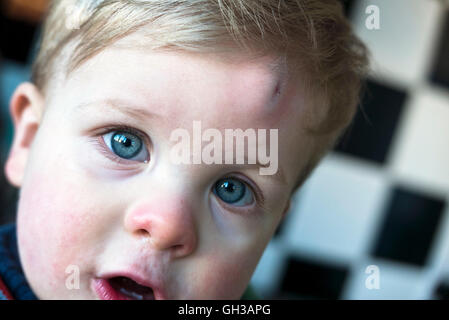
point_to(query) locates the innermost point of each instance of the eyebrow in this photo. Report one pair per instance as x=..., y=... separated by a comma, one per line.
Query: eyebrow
x=125, y=107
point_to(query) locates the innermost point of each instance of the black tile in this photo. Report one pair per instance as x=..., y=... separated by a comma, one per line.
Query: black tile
x=409, y=227
x=441, y=291
x=305, y=279
x=440, y=70
x=16, y=39
x=370, y=135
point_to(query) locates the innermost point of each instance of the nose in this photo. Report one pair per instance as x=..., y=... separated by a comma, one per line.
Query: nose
x=167, y=222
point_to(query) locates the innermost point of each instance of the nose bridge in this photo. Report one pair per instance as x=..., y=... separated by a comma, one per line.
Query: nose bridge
x=166, y=219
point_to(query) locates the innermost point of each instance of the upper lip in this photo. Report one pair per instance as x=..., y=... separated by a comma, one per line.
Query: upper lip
x=156, y=286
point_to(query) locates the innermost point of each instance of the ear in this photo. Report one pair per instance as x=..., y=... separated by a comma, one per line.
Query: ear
x=26, y=107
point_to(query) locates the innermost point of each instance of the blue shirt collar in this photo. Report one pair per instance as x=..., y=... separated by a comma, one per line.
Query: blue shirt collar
x=11, y=270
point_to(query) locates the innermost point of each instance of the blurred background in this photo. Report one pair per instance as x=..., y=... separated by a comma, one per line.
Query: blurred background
x=372, y=221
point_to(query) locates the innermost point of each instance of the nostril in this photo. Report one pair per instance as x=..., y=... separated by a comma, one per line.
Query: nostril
x=142, y=233
x=178, y=249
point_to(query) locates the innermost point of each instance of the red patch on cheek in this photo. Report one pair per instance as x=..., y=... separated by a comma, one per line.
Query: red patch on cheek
x=49, y=227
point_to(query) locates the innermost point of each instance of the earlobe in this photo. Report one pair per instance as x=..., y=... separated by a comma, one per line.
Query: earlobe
x=26, y=108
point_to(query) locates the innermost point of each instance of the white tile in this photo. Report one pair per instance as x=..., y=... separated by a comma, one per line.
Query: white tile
x=396, y=281
x=440, y=255
x=338, y=211
x=403, y=46
x=421, y=151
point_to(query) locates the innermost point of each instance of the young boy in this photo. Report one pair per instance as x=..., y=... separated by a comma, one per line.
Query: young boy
x=104, y=211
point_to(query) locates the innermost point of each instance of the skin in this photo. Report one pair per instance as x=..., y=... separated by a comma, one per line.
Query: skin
x=79, y=206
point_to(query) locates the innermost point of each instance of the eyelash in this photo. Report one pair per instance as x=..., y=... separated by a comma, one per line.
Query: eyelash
x=99, y=141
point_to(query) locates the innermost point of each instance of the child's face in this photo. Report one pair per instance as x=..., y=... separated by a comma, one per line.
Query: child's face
x=84, y=206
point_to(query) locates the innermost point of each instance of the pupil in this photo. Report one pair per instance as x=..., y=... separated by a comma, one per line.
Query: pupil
x=127, y=143
x=230, y=187
x=123, y=140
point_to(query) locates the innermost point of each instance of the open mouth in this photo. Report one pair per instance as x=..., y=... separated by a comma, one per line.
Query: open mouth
x=122, y=288
x=131, y=289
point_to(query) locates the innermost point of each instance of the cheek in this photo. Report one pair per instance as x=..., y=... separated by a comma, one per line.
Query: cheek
x=220, y=277
x=50, y=227
x=226, y=263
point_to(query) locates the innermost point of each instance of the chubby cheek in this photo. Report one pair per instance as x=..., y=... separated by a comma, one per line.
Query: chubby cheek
x=226, y=260
x=224, y=275
x=51, y=223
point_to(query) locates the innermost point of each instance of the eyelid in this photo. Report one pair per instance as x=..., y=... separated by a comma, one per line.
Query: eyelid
x=136, y=132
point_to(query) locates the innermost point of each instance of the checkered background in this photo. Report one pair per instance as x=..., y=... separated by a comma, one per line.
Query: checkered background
x=380, y=198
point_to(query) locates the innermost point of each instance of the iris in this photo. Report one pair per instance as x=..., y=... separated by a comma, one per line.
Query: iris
x=126, y=145
x=232, y=191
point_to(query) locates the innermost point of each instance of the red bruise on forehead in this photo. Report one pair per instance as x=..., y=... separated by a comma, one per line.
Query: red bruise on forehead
x=265, y=91
x=279, y=101
x=262, y=92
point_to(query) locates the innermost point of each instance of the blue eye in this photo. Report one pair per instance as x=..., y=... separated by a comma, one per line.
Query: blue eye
x=233, y=191
x=126, y=145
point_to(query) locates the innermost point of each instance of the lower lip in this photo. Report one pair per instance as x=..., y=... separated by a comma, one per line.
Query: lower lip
x=106, y=292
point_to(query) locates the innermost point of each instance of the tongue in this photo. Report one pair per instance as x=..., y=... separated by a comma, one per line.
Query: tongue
x=131, y=288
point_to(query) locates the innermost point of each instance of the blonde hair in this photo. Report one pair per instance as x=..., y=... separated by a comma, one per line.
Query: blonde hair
x=312, y=36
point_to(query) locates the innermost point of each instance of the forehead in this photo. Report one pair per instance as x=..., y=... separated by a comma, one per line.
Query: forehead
x=170, y=82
